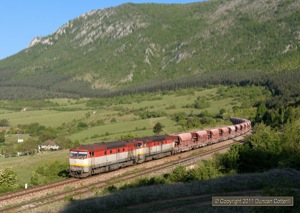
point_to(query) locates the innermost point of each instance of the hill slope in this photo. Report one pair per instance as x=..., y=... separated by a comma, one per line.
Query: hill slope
x=197, y=196
x=133, y=43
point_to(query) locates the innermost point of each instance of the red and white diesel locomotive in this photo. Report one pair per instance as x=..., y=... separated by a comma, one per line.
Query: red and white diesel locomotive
x=86, y=160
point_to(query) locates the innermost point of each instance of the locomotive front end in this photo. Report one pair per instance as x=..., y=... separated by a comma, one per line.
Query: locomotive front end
x=80, y=163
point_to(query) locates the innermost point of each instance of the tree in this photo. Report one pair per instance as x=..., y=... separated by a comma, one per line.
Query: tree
x=261, y=151
x=2, y=137
x=47, y=133
x=29, y=147
x=4, y=122
x=260, y=112
x=193, y=122
x=63, y=142
x=158, y=128
x=8, y=179
x=230, y=159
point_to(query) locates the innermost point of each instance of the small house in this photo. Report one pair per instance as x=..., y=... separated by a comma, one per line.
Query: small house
x=49, y=145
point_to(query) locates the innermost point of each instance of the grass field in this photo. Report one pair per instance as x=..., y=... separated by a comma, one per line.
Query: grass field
x=116, y=130
x=25, y=165
x=77, y=110
x=49, y=118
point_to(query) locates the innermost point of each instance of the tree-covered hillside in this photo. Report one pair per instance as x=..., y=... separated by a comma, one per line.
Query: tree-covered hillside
x=109, y=49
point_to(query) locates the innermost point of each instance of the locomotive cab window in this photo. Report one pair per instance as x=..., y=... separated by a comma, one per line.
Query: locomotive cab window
x=73, y=154
x=82, y=154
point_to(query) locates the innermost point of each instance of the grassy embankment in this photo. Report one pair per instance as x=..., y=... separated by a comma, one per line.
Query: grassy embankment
x=195, y=196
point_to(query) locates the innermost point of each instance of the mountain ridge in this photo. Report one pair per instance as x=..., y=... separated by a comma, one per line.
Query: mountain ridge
x=111, y=48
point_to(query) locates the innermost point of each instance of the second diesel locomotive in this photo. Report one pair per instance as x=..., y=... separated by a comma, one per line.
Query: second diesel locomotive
x=86, y=160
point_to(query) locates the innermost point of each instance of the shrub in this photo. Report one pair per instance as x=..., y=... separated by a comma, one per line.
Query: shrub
x=82, y=125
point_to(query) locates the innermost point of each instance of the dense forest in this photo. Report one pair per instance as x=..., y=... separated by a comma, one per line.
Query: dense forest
x=283, y=85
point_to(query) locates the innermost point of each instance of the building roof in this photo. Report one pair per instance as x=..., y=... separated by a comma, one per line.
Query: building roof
x=49, y=143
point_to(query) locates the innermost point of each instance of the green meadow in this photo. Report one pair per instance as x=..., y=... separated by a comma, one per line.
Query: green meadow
x=25, y=165
x=49, y=118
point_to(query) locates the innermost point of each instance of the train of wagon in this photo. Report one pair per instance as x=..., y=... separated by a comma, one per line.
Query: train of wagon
x=86, y=160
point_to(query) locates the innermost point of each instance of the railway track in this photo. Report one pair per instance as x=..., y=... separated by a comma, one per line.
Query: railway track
x=20, y=193
x=59, y=191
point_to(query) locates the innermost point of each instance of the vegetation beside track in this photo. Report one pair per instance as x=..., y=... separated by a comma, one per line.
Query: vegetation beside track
x=196, y=196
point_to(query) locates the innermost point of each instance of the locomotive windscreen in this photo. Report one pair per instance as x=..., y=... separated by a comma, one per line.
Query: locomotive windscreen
x=73, y=154
x=78, y=154
x=82, y=154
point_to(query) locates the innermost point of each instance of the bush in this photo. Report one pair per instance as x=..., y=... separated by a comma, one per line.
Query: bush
x=178, y=174
x=128, y=136
x=179, y=116
x=2, y=137
x=8, y=179
x=145, y=114
x=49, y=173
x=200, y=103
x=82, y=125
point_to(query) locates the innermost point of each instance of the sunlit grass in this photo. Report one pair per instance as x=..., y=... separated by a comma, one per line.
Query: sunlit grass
x=25, y=165
x=48, y=118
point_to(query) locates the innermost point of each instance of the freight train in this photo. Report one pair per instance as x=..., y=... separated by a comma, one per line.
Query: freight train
x=86, y=160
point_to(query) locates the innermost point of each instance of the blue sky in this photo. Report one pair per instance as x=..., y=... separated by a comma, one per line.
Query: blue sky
x=23, y=20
